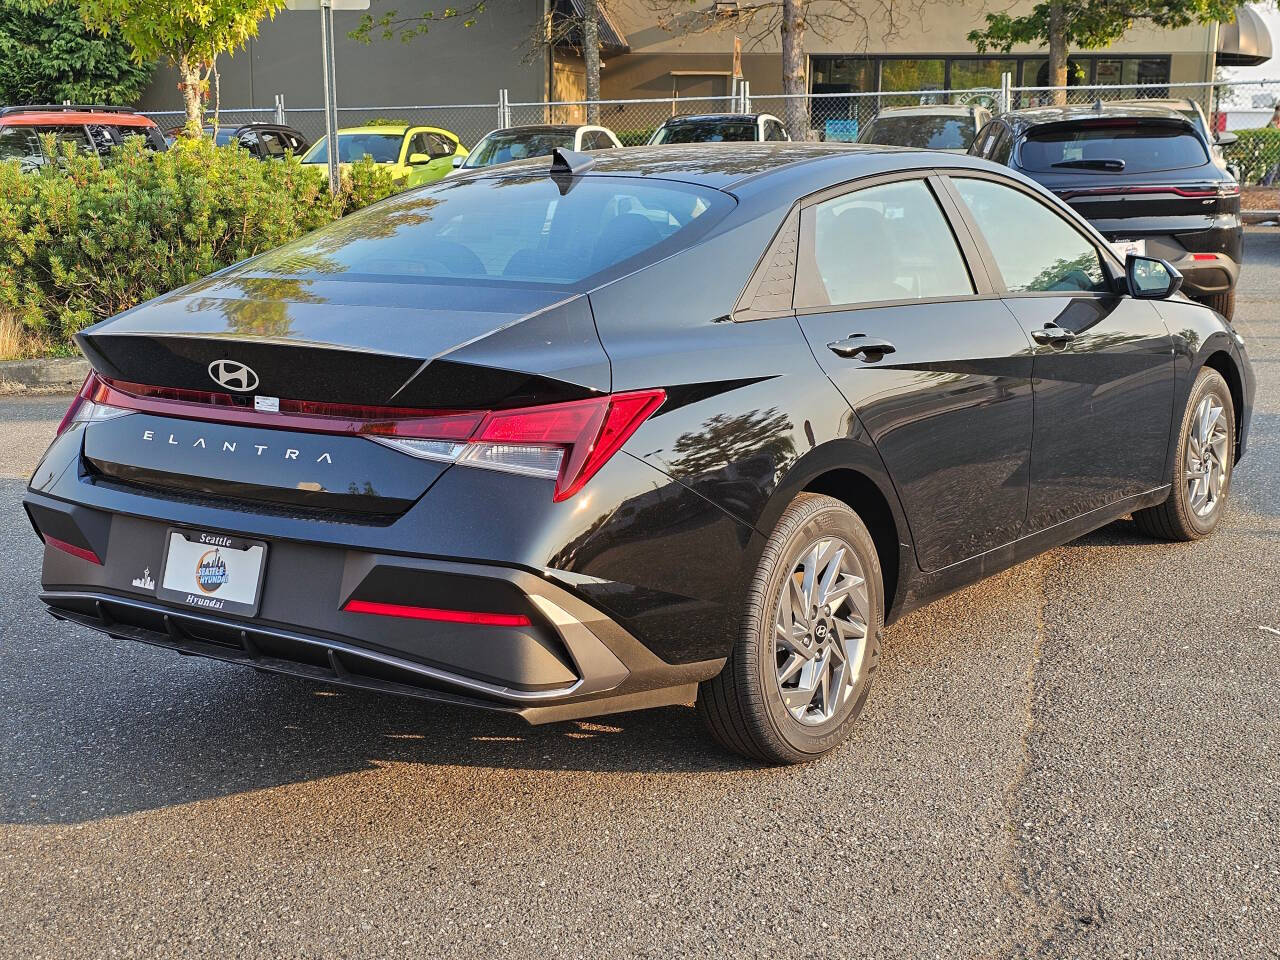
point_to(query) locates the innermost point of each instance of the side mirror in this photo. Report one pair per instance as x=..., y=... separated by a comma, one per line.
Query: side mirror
x=458, y=161
x=1225, y=139
x=418, y=158
x=1150, y=279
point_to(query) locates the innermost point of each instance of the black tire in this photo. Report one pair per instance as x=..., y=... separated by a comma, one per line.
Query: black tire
x=1177, y=518
x=1224, y=303
x=744, y=706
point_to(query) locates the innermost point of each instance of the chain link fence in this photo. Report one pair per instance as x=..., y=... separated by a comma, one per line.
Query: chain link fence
x=1242, y=109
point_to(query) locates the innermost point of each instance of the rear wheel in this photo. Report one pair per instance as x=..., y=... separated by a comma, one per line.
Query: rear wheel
x=1224, y=303
x=802, y=666
x=1202, y=466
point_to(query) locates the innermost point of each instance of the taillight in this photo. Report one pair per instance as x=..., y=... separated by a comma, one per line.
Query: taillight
x=567, y=442
x=85, y=408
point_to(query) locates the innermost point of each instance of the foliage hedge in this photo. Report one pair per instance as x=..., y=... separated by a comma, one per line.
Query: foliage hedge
x=83, y=238
x=1254, y=153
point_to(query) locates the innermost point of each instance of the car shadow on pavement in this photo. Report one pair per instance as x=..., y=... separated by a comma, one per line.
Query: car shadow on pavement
x=207, y=730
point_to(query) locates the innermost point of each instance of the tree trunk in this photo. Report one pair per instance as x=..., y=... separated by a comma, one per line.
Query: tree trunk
x=591, y=55
x=1058, y=52
x=794, y=74
x=192, y=85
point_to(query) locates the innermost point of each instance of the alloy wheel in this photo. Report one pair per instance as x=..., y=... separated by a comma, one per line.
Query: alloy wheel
x=820, y=633
x=1206, y=465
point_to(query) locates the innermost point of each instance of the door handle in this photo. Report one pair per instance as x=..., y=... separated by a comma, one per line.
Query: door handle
x=1052, y=333
x=871, y=348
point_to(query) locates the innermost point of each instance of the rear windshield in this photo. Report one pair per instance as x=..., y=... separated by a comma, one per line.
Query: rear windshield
x=378, y=147
x=508, y=230
x=1132, y=147
x=930, y=133
x=708, y=131
x=505, y=147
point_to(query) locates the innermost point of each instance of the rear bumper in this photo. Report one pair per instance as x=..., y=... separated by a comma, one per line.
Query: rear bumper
x=1206, y=277
x=570, y=660
x=1209, y=260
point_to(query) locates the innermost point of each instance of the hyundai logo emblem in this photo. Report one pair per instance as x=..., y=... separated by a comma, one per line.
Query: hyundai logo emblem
x=233, y=375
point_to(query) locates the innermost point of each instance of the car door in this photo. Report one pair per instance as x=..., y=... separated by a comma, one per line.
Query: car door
x=901, y=317
x=441, y=150
x=1103, y=367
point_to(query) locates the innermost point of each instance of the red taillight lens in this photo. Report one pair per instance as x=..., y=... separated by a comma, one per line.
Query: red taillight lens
x=435, y=613
x=585, y=432
x=88, y=405
x=77, y=402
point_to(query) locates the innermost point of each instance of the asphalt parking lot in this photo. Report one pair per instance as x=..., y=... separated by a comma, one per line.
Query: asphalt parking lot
x=1079, y=757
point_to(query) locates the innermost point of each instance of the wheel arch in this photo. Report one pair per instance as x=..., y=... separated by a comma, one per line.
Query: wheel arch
x=1224, y=363
x=864, y=497
x=849, y=469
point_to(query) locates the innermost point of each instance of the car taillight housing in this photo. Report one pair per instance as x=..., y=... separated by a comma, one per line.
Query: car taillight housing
x=567, y=442
x=85, y=409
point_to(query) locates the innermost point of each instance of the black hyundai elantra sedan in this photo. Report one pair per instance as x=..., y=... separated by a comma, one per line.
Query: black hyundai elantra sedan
x=575, y=437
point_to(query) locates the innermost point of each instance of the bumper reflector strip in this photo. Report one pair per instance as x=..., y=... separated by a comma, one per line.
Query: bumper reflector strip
x=434, y=613
x=83, y=553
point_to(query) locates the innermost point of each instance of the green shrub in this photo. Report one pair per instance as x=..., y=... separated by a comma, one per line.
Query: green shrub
x=1254, y=153
x=83, y=239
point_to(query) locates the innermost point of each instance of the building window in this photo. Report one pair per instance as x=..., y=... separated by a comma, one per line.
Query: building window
x=980, y=72
x=913, y=74
x=867, y=74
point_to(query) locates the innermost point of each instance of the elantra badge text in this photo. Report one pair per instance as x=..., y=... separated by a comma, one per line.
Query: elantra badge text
x=230, y=446
x=233, y=375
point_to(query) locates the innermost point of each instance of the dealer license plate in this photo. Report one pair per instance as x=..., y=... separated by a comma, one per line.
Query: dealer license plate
x=211, y=571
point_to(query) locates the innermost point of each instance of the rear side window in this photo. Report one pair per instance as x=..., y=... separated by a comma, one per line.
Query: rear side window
x=21, y=144
x=508, y=230
x=710, y=131
x=929, y=133
x=889, y=242
x=1036, y=249
x=1112, y=146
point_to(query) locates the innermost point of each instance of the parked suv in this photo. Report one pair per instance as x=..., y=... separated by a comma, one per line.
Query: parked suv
x=97, y=128
x=1143, y=174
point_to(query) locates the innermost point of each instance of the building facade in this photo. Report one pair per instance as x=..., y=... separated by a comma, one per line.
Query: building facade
x=453, y=64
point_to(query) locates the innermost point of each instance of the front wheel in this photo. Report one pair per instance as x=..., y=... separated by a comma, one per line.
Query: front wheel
x=802, y=666
x=1202, y=466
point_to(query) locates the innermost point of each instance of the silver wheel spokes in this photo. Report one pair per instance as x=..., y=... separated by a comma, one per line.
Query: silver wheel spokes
x=820, y=634
x=1207, y=460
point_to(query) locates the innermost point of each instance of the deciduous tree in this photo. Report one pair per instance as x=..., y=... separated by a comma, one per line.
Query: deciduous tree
x=190, y=34
x=1061, y=25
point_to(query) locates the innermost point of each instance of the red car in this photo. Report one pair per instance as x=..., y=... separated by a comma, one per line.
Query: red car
x=90, y=128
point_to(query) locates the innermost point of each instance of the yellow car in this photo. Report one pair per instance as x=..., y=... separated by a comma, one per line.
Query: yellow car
x=417, y=155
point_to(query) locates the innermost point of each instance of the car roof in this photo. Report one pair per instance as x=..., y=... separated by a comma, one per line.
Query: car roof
x=53, y=117
x=542, y=128
x=931, y=109
x=713, y=118
x=396, y=129
x=733, y=166
x=1039, y=116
